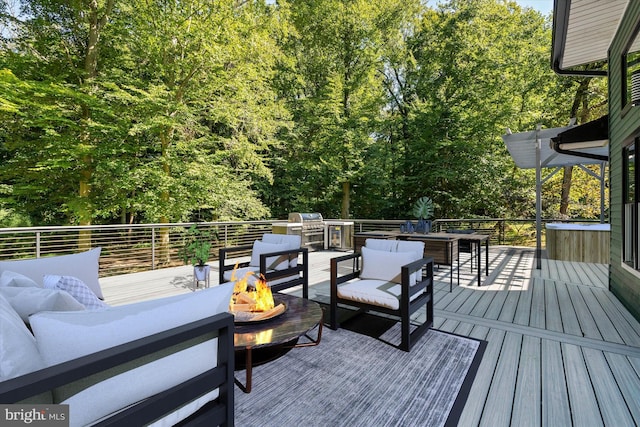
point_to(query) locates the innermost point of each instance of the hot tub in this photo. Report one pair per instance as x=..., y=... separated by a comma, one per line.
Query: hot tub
x=578, y=242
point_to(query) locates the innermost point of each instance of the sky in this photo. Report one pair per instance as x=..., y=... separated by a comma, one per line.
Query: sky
x=543, y=6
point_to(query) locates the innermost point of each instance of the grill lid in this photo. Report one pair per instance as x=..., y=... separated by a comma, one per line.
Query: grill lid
x=309, y=217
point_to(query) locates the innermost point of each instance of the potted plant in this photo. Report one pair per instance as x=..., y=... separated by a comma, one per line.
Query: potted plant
x=423, y=210
x=197, y=245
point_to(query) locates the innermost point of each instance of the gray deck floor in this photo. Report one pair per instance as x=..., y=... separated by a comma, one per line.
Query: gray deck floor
x=562, y=350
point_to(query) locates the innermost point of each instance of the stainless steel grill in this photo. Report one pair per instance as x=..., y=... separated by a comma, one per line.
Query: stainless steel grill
x=311, y=228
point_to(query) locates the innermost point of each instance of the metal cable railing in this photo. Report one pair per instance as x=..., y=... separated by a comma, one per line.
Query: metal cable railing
x=141, y=247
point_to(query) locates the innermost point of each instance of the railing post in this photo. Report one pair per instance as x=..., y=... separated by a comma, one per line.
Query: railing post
x=37, y=244
x=153, y=248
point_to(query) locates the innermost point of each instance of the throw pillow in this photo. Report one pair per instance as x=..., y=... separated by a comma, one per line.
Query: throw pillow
x=28, y=301
x=83, y=265
x=76, y=288
x=66, y=336
x=279, y=262
x=11, y=278
x=18, y=351
x=383, y=265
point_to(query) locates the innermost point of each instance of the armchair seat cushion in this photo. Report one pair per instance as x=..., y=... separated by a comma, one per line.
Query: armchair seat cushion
x=374, y=292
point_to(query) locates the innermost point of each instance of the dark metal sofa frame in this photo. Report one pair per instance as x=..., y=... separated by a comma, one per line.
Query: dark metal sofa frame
x=217, y=412
x=406, y=308
x=299, y=273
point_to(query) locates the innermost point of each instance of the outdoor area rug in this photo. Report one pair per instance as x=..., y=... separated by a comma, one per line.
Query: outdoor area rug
x=352, y=379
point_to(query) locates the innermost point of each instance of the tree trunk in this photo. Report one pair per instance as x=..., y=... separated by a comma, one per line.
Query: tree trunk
x=163, y=244
x=566, y=189
x=85, y=213
x=346, y=199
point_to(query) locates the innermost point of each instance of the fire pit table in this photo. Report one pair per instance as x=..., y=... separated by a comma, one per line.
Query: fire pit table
x=271, y=338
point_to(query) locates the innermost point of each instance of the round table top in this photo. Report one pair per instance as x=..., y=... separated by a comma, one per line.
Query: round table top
x=301, y=316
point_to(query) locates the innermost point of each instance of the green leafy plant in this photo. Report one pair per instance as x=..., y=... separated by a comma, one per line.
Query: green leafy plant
x=197, y=245
x=423, y=208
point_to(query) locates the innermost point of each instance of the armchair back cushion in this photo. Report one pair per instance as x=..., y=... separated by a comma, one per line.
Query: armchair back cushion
x=386, y=245
x=280, y=262
x=63, y=336
x=291, y=240
x=385, y=266
x=83, y=265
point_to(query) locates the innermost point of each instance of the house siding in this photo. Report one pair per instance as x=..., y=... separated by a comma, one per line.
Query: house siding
x=623, y=128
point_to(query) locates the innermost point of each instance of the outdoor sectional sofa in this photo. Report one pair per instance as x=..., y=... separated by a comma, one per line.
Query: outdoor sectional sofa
x=168, y=361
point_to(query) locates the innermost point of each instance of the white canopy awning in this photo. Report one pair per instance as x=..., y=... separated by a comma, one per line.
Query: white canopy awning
x=535, y=150
x=522, y=147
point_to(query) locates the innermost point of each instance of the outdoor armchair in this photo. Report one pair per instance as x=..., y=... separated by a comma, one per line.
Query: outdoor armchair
x=394, y=279
x=278, y=257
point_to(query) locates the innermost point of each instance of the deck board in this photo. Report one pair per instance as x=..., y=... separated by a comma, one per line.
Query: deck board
x=556, y=410
x=498, y=409
x=570, y=323
x=628, y=382
x=561, y=349
x=606, y=389
x=605, y=325
x=584, y=405
x=587, y=322
x=553, y=317
x=528, y=399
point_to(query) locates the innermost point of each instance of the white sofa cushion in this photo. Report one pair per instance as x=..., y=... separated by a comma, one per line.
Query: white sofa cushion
x=279, y=262
x=83, y=265
x=13, y=279
x=18, y=351
x=293, y=242
x=386, y=266
x=31, y=300
x=64, y=336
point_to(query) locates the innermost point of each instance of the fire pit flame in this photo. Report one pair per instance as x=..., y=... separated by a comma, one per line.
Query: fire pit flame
x=253, y=305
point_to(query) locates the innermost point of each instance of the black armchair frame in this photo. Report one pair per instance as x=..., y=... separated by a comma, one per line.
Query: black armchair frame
x=299, y=273
x=407, y=307
x=217, y=412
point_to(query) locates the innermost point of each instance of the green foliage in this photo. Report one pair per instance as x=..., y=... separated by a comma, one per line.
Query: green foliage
x=225, y=110
x=197, y=244
x=423, y=208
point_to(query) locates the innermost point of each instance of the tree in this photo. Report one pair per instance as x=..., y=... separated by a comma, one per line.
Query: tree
x=338, y=97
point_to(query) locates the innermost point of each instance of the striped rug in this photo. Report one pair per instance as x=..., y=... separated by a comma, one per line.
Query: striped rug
x=355, y=380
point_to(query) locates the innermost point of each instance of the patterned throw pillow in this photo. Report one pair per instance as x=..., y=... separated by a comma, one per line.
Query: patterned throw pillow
x=76, y=288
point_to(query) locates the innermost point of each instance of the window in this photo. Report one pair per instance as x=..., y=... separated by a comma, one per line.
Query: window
x=631, y=72
x=630, y=212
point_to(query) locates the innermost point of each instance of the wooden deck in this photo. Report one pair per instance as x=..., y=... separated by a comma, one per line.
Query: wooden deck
x=562, y=350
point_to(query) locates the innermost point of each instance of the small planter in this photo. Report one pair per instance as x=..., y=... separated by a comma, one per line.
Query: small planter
x=201, y=274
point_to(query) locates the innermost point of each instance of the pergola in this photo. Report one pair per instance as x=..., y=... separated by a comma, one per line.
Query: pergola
x=555, y=148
